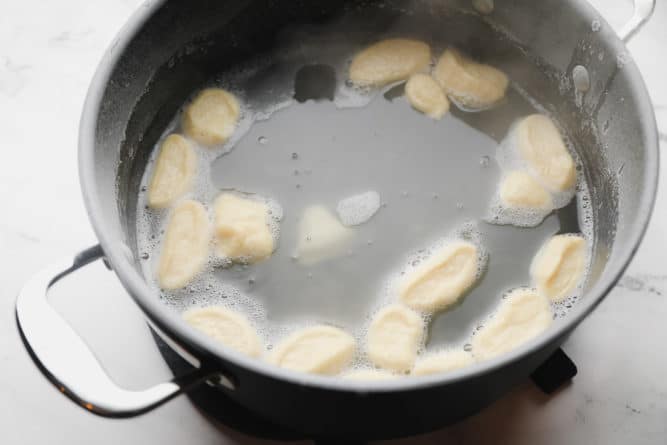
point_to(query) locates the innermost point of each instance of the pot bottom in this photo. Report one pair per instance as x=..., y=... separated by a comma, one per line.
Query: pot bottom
x=222, y=410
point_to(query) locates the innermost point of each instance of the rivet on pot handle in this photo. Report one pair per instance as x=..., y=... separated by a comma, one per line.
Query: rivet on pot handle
x=67, y=361
x=643, y=9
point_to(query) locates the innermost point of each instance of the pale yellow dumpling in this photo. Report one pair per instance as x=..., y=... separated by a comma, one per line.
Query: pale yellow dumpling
x=519, y=189
x=368, y=374
x=444, y=361
x=226, y=326
x=542, y=146
x=185, y=246
x=470, y=84
x=389, y=61
x=425, y=95
x=212, y=116
x=559, y=266
x=394, y=337
x=242, y=229
x=316, y=350
x=174, y=171
x=442, y=279
x=521, y=316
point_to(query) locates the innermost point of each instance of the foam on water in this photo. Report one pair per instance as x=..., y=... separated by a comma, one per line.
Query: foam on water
x=499, y=213
x=349, y=95
x=509, y=159
x=595, y=25
x=463, y=101
x=358, y=209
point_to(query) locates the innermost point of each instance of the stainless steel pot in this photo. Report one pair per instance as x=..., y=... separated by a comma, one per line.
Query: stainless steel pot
x=168, y=49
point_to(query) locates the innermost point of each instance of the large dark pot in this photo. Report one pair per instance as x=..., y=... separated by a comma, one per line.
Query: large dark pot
x=169, y=49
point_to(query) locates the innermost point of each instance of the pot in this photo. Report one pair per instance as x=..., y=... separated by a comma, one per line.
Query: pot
x=169, y=49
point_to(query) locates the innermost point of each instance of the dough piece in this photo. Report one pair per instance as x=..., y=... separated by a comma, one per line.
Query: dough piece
x=394, y=337
x=175, y=168
x=368, y=374
x=559, y=266
x=425, y=95
x=316, y=350
x=241, y=228
x=520, y=190
x=226, y=326
x=442, y=279
x=442, y=362
x=389, y=61
x=211, y=117
x=521, y=316
x=321, y=236
x=358, y=209
x=185, y=245
x=470, y=84
x=541, y=145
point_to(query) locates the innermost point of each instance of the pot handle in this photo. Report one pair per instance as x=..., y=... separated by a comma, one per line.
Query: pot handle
x=643, y=9
x=66, y=360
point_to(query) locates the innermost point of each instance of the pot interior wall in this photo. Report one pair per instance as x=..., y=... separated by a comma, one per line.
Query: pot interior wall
x=185, y=44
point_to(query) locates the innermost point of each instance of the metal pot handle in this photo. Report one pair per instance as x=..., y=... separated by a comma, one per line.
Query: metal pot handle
x=643, y=9
x=66, y=360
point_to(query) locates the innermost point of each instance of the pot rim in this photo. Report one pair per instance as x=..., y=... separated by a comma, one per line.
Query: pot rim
x=207, y=350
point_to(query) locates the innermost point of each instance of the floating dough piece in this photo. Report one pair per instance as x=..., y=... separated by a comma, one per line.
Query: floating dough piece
x=520, y=190
x=559, y=266
x=541, y=145
x=394, y=337
x=175, y=167
x=358, y=209
x=521, y=316
x=185, y=245
x=226, y=326
x=241, y=228
x=389, y=61
x=321, y=236
x=468, y=83
x=316, y=350
x=211, y=118
x=425, y=95
x=442, y=279
x=369, y=374
x=445, y=361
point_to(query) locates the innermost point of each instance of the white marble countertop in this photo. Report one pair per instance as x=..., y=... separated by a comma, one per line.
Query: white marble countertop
x=48, y=53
